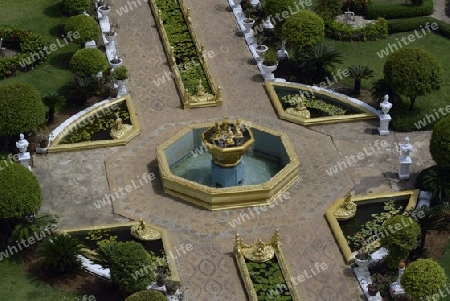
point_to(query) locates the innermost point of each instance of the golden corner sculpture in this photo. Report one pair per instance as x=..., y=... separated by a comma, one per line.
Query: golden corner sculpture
x=199, y=99
x=345, y=208
x=125, y=132
x=261, y=252
x=301, y=116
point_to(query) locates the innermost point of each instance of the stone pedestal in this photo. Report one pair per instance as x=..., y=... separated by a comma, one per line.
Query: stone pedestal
x=90, y=44
x=282, y=53
x=405, y=162
x=383, y=130
x=227, y=176
x=24, y=159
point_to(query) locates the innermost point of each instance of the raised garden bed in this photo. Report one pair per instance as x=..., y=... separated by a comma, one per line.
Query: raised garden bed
x=195, y=84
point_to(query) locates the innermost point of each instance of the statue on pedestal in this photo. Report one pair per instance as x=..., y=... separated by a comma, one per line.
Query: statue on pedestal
x=386, y=105
x=406, y=148
x=119, y=129
x=142, y=232
x=346, y=210
x=22, y=144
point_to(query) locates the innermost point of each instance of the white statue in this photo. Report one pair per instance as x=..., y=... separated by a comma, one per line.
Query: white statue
x=22, y=144
x=406, y=148
x=386, y=105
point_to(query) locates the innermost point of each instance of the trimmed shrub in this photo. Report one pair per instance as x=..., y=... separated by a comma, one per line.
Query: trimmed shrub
x=413, y=72
x=400, y=11
x=148, y=295
x=86, y=26
x=21, y=193
x=423, y=278
x=440, y=142
x=303, y=29
x=89, y=61
x=404, y=25
x=345, y=32
x=130, y=257
x=399, y=234
x=59, y=254
x=21, y=109
x=75, y=7
x=29, y=44
x=277, y=7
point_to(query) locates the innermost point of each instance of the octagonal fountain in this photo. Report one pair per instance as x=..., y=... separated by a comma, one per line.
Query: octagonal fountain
x=227, y=165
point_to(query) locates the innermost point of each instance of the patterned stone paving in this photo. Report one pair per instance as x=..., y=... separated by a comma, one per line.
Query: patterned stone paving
x=72, y=182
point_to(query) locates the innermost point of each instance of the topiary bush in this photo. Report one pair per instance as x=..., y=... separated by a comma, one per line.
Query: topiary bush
x=21, y=109
x=440, y=142
x=399, y=11
x=399, y=234
x=87, y=28
x=148, y=295
x=88, y=61
x=274, y=8
x=423, y=278
x=74, y=7
x=21, y=193
x=127, y=267
x=303, y=29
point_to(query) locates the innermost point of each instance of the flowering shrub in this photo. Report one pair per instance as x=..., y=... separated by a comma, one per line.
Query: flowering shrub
x=27, y=43
x=359, y=7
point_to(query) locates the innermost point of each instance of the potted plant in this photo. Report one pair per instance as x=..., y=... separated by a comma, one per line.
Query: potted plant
x=108, y=80
x=104, y=8
x=161, y=276
x=112, y=33
x=362, y=257
x=116, y=61
x=269, y=64
x=260, y=48
x=172, y=287
x=121, y=76
x=372, y=289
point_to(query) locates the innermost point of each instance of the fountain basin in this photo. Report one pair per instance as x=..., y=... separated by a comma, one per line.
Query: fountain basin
x=349, y=255
x=188, y=143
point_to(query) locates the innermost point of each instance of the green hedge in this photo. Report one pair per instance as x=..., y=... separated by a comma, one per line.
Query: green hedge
x=29, y=44
x=147, y=295
x=74, y=7
x=405, y=25
x=399, y=11
x=345, y=32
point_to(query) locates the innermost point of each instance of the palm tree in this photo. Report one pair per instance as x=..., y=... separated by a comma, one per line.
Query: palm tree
x=59, y=254
x=381, y=88
x=318, y=60
x=359, y=72
x=51, y=100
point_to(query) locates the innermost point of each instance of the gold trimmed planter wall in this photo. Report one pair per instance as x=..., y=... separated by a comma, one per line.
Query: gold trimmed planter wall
x=349, y=255
x=367, y=113
x=55, y=145
x=262, y=252
x=235, y=197
x=189, y=100
x=164, y=237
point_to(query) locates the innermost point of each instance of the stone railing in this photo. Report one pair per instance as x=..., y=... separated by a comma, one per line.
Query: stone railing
x=190, y=100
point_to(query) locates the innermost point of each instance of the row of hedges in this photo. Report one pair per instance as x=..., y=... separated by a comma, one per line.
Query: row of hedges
x=405, y=25
x=28, y=44
x=345, y=32
x=375, y=11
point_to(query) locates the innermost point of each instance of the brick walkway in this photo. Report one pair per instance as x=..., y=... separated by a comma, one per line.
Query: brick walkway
x=72, y=182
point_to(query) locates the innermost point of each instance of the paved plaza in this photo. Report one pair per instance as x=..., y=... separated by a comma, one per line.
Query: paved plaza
x=73, y=181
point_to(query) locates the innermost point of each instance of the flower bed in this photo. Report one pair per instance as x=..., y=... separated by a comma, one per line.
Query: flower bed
x=30, y=46
x=345, y=32
x=181, y=45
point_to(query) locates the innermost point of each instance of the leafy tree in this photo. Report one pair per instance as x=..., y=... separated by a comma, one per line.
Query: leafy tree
x=423, y=278
x=413, y=72
x=318, y=60
x=21, y=193
x=52, y=100
x=399, y=234
x=440, y=142
x=148, y=295
x=21, y=109
x=303, y=29
x=88, y=61
x=59, y=254
x=130, y=257
x=275, y=8
x=85, y=26
x=359, y=72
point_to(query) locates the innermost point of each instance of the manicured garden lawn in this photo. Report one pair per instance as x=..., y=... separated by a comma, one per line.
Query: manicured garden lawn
x=18, y=285
x=42, y=17
x=365, y=53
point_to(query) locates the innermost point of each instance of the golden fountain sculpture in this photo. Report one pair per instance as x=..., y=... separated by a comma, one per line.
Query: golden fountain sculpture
x=346, y=209
x=140, y=231
x=227, y=142
x=300, y=110
x=119, y=129
x=200, y=94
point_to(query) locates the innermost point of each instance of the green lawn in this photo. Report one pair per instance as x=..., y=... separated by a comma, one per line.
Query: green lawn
x=18, y=285
x=42, y=17
x=444, y=261
x=365, y=53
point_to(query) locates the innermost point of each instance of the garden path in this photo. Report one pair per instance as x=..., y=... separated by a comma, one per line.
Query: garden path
x=73, y=181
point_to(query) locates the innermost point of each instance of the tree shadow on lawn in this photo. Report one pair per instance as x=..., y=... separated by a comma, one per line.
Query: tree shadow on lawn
x=54, y=11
